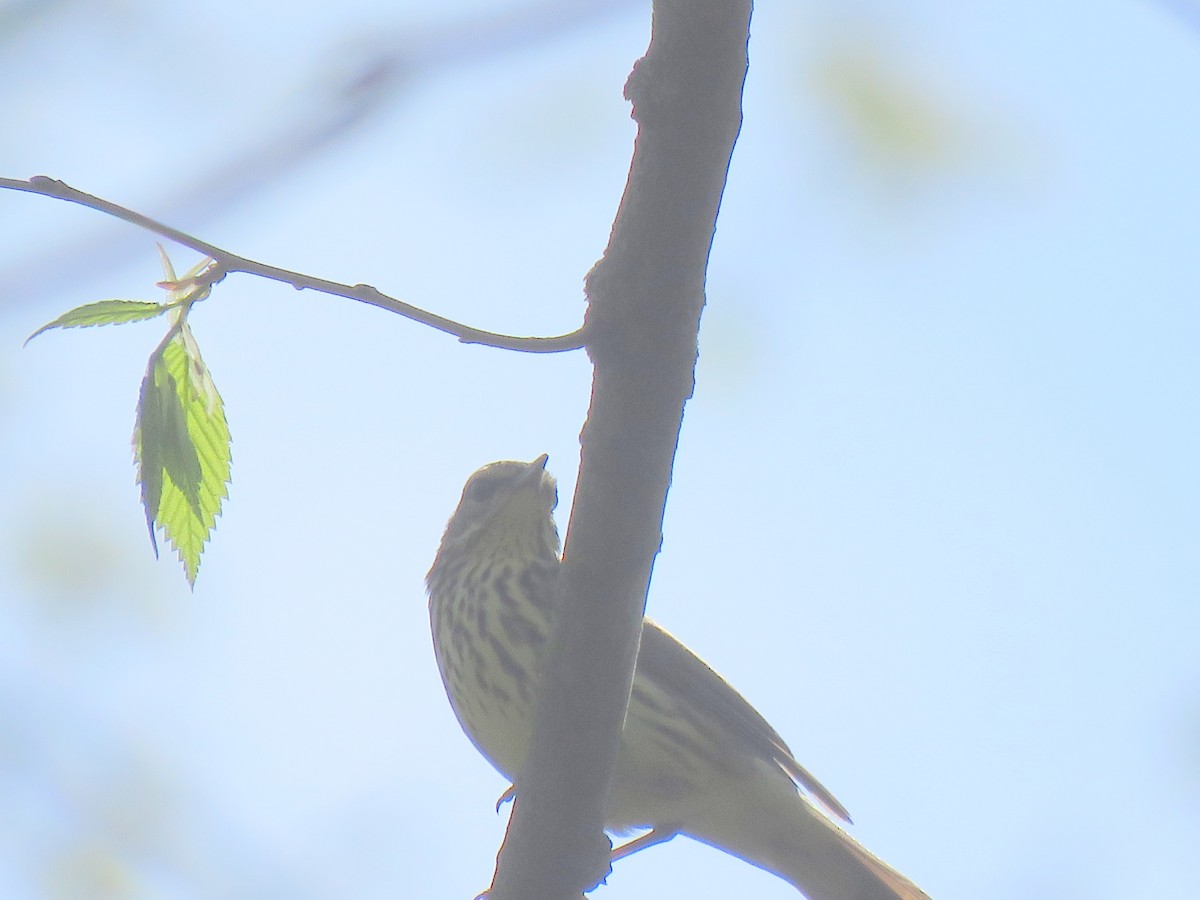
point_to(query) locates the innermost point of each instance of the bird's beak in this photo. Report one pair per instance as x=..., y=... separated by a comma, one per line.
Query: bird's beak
x=533, y=475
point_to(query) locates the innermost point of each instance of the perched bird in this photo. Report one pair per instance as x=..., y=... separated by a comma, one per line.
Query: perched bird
x=696, y=758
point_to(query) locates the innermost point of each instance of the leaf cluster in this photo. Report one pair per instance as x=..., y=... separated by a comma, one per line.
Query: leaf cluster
x=181, y=442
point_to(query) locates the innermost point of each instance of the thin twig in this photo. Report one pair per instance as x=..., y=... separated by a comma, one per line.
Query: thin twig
x=228, y=263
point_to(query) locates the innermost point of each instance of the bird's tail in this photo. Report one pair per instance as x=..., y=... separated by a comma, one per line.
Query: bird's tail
x=828, y=864
x=782, y=832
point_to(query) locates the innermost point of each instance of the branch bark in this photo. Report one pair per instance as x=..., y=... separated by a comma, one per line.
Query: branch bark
x=645, y=299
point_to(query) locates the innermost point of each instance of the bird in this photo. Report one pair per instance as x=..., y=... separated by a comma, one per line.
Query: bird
x=696, y=758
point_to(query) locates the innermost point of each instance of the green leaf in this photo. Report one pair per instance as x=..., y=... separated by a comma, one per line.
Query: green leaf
x=105, y=312
x=181, y=446
x=148, y=429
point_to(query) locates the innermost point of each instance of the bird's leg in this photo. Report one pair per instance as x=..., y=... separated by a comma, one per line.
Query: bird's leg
x=509, y=793
x=649, y=839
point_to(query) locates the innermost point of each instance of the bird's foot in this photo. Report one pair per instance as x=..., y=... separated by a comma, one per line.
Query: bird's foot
x=656, y=835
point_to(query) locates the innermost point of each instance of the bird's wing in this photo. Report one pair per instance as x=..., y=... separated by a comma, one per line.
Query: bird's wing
x=665, y=660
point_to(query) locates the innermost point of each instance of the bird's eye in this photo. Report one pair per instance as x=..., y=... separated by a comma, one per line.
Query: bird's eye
x=481, y=490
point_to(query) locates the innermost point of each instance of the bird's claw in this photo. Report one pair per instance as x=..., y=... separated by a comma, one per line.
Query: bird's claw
x=508, y=794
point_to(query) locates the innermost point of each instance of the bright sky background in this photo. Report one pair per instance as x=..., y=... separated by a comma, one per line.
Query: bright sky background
x=935, y=503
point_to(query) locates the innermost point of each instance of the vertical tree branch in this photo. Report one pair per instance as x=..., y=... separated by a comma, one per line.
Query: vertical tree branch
x=645, y=299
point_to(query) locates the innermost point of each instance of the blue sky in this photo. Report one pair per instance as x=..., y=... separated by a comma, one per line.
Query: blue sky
x=943, y=440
